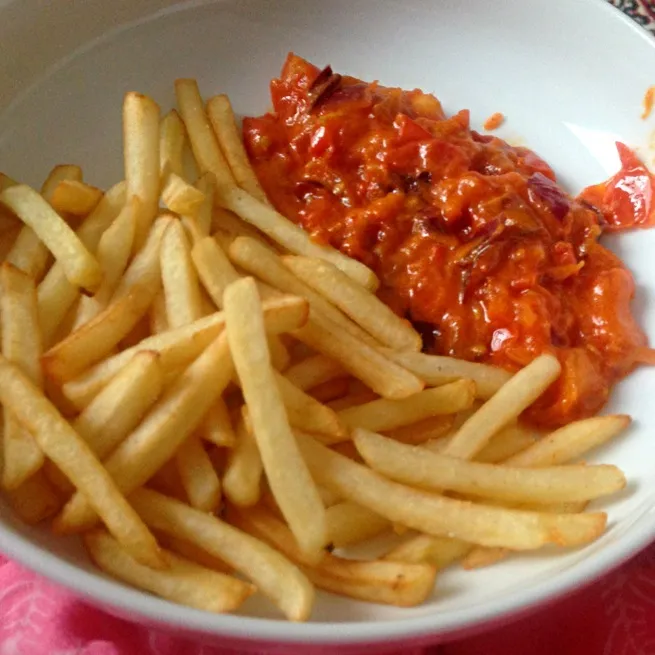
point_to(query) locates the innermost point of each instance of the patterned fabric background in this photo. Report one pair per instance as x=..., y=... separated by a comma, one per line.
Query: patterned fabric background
x=616, y=616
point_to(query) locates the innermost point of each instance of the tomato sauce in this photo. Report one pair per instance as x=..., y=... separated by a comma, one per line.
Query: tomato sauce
x=472, y=239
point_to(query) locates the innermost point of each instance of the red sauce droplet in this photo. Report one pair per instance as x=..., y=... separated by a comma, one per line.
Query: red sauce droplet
x=494, y=121
x=649, y=100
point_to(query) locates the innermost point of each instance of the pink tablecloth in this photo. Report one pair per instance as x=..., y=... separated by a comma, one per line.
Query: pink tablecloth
x=615, y=616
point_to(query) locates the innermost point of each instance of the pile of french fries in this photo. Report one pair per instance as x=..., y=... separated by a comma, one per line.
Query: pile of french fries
x=216, y=403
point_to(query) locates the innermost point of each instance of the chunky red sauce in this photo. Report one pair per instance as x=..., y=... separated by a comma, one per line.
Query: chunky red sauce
x=471, y=238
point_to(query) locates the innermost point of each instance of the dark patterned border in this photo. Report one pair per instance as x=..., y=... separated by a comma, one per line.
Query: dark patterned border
x=642, y=11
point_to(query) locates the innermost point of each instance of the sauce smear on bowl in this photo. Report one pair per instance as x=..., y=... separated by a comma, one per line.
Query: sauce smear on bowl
x=473, y=240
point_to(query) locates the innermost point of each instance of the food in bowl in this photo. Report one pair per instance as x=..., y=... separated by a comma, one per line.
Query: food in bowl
x=205, y=369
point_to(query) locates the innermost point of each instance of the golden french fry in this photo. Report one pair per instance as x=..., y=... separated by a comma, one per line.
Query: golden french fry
x=264, y=264
x=349, y=523
x=21, y=344
x=172, y=139
x=167, y=481
x=422, y=431
x=171, y=420
x=273, y=574
x=180, y=196
x=141, y=158
x=215, y=270
x=414, y=466
x=203, y=215
x=435, y=370
x=287, y=475
x=363, y=307
x=243, y=472
x=227, y=226
x=74, y=458
x=360, y=360
x=221, y=116
x=6, y=181
x=280, y=357
x=192, y=552
x=75, y=197
x=393, y=583
x=306, y=413
x=28, y=252
x=353, y=400
x=95, y=340
x=7, y=239
x=56, y=294
x=486, y=525
x=182, y=581
x=571, y=441
x=508, y=442
x=35, y=500
x=287, y=234
x=330, y=390
x=385, y=414
x=205, y=147
x=198, y=476
x=114, y=251
x=180, y=281
x=81, y=268
x=440, y=552
x=177, y=348
x=216, y=427
x=508, y=402
x=313, y=371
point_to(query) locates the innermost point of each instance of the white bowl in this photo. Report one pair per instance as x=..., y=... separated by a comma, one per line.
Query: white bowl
x=568, y=74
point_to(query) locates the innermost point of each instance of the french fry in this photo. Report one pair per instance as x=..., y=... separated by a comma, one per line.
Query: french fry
x=81, y=268
x=205, y=147
x=95, y=340
x=363, y=307
x=183, y=581
x=273, y=574
x=216, y=427
x=141, y=158
x=198, y=476
x=264, y=264
x=486, y=525
x=506, y=443
x=508, y=402
x=74, y=458
x=28, y=252
x=227, y=226
x=35, y=500
x=203, y=215
x=313, y=371
x=114, y=251
x=6, y=182
x=180, y=281
x=287, y=475
x=21, y=345
x=571, y=441
x=287, y=234
x=180, y=196
x=75, y=197
x=192, y=552
x=349, y=524
x=8, y=239
x=215, y=270
x=440, y=552
x=392, y=583
x=365, y=363
x=385, y=414
x=177, y=348
x=330, y=390
x=353, y=400
x=280, y=358
x=167, y=481
x=221, y=116
x=306, y=413
x=172, y=139
x=171, y=420
x=413, y=466
x=243, y=472
x=422, y=431
x=55, y=293
x=437, y=370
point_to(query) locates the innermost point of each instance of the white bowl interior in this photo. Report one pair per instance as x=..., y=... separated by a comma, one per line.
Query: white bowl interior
x=550, y=66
